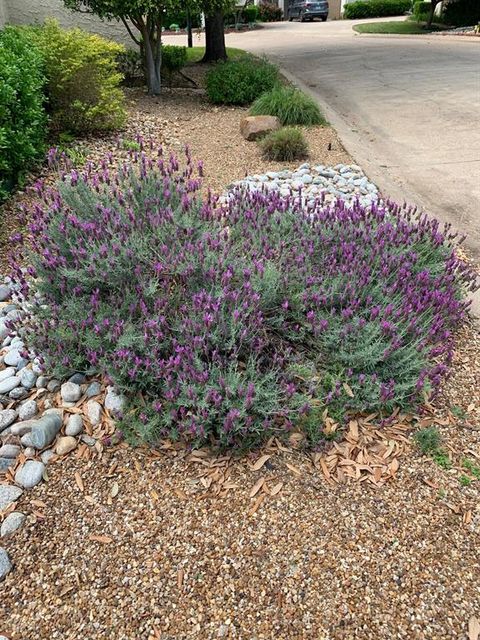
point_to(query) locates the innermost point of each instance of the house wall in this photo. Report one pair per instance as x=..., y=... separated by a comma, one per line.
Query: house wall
x=31, y=11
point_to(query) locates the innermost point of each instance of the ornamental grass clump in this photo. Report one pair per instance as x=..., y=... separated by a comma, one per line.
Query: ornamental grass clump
x=231, y=323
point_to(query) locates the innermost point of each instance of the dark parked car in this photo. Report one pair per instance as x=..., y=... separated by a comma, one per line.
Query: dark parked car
x=308, y=10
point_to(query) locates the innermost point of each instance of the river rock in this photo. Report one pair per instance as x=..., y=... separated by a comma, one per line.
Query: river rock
x=114, y=402
x=12, y=358
x=47, y=455
x=8, y=384
x=27, y=410
x=44, y=430
x=94, y=412
x=11, y=523
x=8, y=494
x=27, y=378
x=6, y=463
x=7, y=416
x=65, y=445
x=9, y=451
x=30, y=474
x=5, y=564
x=21, y=428
x=74, y=425
x=71, y=392
x=7, y=373
x=93, y=389
x=5, y=293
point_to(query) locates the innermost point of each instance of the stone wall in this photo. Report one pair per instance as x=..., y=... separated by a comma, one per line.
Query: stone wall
x=31, y=11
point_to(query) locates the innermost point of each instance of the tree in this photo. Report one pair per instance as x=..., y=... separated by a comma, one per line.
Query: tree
x=144, y=16
x=433, y=6
x=215, y=48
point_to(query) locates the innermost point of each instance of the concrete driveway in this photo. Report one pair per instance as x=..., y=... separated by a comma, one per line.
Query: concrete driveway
x=406, y=107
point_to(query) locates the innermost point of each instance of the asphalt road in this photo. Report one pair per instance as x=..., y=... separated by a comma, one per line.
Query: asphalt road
x=406, y=107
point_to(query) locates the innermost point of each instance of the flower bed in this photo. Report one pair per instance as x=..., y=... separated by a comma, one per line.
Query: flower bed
x=235, y=322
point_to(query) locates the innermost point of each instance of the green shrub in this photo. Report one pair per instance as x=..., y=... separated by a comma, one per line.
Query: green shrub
x=290, y=105
x=286, y=144
x=174, y=58
x=240, y=81
x=462, y=13
x=22, y=116
x=421, y=9
x=130, y=65
x=376, y=8
x=82, y=79
x=269, y=12
x=250, y=13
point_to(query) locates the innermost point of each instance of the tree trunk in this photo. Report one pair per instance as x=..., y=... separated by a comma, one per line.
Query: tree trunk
x=189, y=29
x=215, y=49
x=433, y=5
x=153, y=61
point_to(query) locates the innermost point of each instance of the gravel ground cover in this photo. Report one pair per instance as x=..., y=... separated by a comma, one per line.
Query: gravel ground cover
x=364, y=538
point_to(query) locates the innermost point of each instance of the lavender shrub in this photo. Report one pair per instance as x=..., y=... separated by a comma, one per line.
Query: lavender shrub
x=235, y=322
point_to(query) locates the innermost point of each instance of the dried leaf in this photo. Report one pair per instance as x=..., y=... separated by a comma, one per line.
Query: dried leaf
x=180, y=494
x=101, y=539
x=294, y=469
x=38, y=503
x=467, y=517
x=473, y=628
x=114, y=490
x=325, y=470
x=180, y=576
x=260, y=462
x=257, y=486
x=79, y=481
x=276, y=489
x=348, y=390
x=256, y=505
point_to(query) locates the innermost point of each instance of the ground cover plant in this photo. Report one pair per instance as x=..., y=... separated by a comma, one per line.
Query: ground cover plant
x=240, y=81
x=234, y=322
x=290, y=105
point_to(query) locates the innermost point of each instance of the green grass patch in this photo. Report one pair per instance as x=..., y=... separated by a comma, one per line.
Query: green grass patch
x=408, y=27
x=195, y=54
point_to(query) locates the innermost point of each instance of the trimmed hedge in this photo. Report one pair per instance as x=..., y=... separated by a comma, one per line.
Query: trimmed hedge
x=376, y=8
x=22, y=116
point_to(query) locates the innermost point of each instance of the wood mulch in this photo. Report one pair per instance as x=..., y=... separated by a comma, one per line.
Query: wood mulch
x=364, y=539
